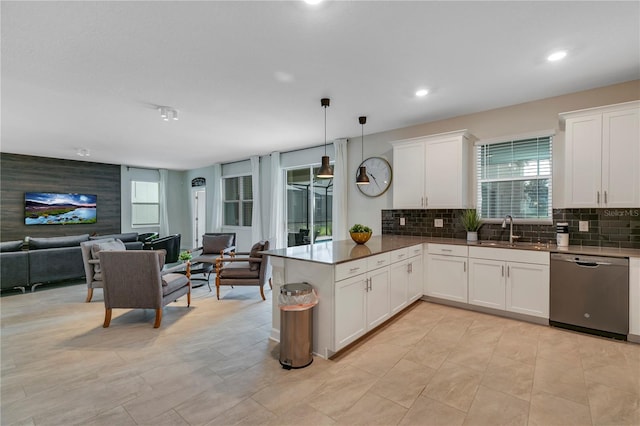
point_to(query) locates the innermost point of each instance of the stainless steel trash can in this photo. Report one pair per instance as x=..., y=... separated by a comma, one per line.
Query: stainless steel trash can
x=296, y=302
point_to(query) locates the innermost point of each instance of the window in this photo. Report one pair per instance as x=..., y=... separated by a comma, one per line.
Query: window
x=145, y=203
x=309, y=206
x=238, y=201
x=514, y=178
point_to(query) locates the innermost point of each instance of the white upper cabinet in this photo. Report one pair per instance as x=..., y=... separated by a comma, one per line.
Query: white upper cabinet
x=602, y=157
x=432, y=172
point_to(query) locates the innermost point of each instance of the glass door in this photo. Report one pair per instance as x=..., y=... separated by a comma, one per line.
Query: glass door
x=309, y=207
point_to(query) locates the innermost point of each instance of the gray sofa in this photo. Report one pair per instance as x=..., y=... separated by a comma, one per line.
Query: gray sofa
x=14, y=266
x=49, y=259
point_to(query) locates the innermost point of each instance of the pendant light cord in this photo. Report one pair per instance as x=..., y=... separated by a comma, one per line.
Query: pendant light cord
x=325, y=130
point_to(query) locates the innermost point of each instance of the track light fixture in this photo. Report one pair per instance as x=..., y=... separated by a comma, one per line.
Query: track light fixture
x=326, y=171
x=362, y=178
x=167, y=111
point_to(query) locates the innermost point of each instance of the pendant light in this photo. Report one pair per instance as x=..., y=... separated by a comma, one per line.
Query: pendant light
x=362, y=178
x=326, y=171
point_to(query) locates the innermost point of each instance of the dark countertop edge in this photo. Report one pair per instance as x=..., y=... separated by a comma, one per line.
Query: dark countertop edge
x=395, y=242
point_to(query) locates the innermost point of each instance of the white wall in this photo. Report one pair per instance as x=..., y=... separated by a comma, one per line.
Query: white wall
x=512, y=120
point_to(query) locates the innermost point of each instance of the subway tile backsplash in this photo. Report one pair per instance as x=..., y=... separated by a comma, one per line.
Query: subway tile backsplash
x=607, y=227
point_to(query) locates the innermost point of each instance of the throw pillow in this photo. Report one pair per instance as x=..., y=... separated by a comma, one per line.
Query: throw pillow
x=216, y=243
x=259, y=246
x=106, y=246
x=162, y=255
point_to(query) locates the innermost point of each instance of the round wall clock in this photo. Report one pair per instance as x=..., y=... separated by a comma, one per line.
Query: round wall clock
x=379, y=173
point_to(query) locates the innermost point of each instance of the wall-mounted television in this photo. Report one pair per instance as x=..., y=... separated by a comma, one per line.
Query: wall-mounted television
x=46, y=208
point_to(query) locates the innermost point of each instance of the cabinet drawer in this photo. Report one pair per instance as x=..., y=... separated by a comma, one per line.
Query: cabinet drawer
x=448, y=249
x=398, y=255
x=378, y=261
x=350, y=269
x=415, y=250
x=510, y=255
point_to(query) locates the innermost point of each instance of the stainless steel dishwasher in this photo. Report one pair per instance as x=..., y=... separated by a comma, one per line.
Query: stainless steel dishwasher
x=590, y=294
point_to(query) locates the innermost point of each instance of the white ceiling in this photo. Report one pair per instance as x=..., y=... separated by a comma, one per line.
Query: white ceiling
x=247, y=77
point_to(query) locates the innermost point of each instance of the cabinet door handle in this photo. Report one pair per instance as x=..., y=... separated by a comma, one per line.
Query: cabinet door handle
x=598, y=200
x=370, y=284
x=447, y=250
x=508, y=271
x=400, y=255
x=503, y=270
x=465, y=266
x=605, y=197
x=354, y=269
x=410, y=268
x=380, y=262
x=421, y=201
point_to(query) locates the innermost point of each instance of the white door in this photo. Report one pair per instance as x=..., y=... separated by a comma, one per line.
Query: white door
x=399, y=277
x=378, y=297
x=199, y=215
x=408, y=176
x=583, y=141
x=528, y=289
x=487, y=283
x=350, y=310
x=447, y=277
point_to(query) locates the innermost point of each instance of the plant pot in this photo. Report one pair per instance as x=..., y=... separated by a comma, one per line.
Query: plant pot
x=472, y=235
x=360, y=237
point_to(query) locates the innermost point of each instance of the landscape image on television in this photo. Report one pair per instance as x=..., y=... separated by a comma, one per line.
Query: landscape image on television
x=43, y=208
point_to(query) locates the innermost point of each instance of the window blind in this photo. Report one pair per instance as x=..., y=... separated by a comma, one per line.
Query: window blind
x=514, y=178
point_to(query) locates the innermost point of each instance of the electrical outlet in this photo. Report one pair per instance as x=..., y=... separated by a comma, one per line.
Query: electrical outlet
x=402, y=221
x=438, y=223
x=583, y=226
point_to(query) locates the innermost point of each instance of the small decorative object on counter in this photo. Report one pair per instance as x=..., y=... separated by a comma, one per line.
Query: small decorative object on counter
x=184, y=256
x=360, y=233
x=471, y=223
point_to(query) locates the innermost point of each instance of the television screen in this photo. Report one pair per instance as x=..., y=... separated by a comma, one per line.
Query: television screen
x=44, y=208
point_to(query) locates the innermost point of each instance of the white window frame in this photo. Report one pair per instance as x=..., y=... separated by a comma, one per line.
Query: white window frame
x=240, y=201
x=479, y=181
x=143, y=201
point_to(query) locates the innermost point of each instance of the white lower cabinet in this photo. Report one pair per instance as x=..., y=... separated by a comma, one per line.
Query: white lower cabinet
x=416, y=278
x=512, y=280
x=447, y=272
x=362, y=303
x=399, y=275
x=487, y=283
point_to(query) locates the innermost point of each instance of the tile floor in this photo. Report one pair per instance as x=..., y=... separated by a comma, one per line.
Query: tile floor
x=213, y=364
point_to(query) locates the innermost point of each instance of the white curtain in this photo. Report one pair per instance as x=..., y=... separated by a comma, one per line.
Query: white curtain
x=276, y=225
x=164, y=213
x=341, y=179
x=256, y=218
x=216, y=200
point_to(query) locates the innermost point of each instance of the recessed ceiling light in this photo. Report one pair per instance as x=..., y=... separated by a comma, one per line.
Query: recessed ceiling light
x=556, y=56
x=422, y=92
x=312, y=1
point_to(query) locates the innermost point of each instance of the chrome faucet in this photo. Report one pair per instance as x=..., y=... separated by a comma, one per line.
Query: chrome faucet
x=504, y=225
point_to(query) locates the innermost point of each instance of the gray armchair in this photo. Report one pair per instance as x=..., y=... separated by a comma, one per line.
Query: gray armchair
x=135, y=279
x=90, y=257
x=251, y=269
x=214, y=245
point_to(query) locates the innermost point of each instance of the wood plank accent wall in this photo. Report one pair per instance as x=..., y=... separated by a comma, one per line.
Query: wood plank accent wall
x=23, y=173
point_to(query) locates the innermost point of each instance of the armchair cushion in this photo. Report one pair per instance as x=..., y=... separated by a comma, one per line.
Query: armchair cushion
x=238, y=270
x=172, y=282
x=216, y=243
x=257, y=247
x=105, y=246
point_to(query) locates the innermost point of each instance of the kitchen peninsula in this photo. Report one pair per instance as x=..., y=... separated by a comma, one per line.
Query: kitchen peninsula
x=362, y=286
x=353, y=283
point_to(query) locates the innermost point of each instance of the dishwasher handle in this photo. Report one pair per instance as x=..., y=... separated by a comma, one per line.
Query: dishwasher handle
x=588, y=264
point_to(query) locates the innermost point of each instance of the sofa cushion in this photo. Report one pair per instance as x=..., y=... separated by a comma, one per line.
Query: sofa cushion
x=55, y=242
x=216, y=243
x=11, y=246
x=105, y=246
x=125, y=237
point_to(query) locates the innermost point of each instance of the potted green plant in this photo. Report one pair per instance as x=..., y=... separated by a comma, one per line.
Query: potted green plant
x=471, y=223
x=360, y=233
x=184, y=256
